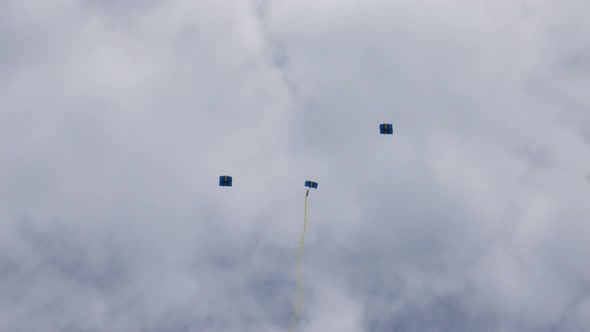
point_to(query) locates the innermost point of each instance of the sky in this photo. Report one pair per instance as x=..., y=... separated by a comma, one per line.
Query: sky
x=118, y=117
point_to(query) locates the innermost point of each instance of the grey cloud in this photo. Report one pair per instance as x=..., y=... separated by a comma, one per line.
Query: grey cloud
x=117, y=118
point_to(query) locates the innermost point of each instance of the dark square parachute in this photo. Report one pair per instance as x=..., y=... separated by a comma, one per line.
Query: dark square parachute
x=386, y=128
x=225, y=181
x=311, y=184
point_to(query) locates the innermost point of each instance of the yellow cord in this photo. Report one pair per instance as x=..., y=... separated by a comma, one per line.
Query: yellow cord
x=299, y=293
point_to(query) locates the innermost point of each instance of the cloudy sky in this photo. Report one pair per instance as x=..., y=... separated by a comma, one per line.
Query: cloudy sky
x=117, y=117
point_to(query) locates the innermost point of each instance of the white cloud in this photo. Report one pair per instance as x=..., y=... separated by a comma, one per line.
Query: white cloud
x=116, y=120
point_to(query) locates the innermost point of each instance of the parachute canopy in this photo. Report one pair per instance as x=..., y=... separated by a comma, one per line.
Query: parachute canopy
x=225, y=181
x=386, y=128
x=311, y=184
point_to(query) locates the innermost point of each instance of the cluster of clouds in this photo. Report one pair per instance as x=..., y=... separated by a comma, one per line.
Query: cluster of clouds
x=116, y=119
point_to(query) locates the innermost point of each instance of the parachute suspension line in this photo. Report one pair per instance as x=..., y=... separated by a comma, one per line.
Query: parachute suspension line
x=299, y=292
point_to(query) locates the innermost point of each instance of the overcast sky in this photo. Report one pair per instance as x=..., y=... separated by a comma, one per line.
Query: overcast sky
x=117, y=118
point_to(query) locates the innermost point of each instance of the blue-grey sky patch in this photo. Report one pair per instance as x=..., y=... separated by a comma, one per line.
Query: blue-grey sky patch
x=116, y=120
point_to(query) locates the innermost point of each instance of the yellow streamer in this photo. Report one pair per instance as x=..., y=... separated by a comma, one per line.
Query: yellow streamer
x=299, y=293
